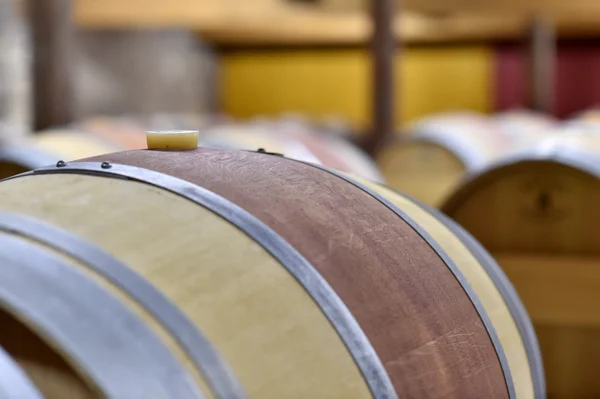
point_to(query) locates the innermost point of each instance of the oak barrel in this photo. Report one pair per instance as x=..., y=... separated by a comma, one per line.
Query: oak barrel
x=89, y=137
x=49, y=147
x=536, y=213
x=439, y=151
x=250, y=275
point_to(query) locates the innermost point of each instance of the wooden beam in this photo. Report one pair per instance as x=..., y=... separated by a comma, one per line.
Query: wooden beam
x=354, y=29
x=542, y=60
x=521, y=7
x=52, y=40
x=383, y=44
x=275, y=22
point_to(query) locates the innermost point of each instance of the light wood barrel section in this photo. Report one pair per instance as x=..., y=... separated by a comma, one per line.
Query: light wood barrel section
x=438, y=152
x=69, y=145
x=536, y=213
x=260, y=319
x=427, y=332
x=72, y=336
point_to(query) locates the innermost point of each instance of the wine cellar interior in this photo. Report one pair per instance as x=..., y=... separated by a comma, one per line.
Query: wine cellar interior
x=299, y=199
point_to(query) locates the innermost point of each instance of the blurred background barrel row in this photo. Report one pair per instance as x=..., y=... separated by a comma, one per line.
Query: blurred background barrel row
x=400, y=149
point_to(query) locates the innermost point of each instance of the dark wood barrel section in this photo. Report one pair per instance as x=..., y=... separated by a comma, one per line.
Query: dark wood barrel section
x=295, y=140
x=515, y=334
x=285, y=281
x=536, y=213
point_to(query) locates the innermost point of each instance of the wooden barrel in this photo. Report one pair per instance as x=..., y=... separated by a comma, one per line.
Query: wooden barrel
x=50, y=147
x=296, y=141
x=536, y=213
x=253, y=275
x=441, y=150
x=92, y=136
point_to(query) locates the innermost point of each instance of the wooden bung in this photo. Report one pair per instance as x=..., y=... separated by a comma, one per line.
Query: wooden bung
x=172, y=139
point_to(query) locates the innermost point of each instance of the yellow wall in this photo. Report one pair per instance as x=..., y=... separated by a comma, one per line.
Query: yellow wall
x=326, y=82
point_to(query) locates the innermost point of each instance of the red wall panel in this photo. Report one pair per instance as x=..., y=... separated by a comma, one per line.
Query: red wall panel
x=577, y=77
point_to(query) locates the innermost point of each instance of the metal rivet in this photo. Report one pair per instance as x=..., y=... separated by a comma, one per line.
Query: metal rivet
x=263, y=151
x=61, y=164
x=106, y=165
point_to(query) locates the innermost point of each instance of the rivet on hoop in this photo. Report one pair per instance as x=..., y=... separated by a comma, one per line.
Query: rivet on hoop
x=263, y=151
x=61, y=164
x=106, y=165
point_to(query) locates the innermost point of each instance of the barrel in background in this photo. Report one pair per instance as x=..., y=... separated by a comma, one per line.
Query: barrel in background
x=49, y=147
x=297, y=139
x=536, y=212
x=438, y=152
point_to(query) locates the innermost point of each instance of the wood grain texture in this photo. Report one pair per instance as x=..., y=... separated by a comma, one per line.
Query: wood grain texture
x=295, y=141
x=416, y=315
x=537, y=215
x=484, y=287
x=254, y=312
x=533, y=206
